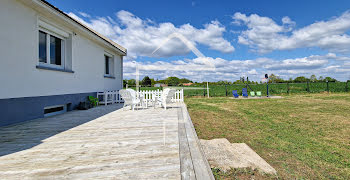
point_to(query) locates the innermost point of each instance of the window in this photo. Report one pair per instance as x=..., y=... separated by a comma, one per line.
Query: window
x=107, y=65
x=55, y=50
x=42, y=47
x=51, y=50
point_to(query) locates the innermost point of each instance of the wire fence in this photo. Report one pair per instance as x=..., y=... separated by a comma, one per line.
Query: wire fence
x=274, y=88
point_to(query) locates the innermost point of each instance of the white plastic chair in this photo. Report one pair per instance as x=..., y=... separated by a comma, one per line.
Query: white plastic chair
x=137, y=97
x=130, y=98
x=166, y=97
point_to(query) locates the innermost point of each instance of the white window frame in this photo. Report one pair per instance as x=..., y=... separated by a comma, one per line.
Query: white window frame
x=110, y=58
x=63, y=51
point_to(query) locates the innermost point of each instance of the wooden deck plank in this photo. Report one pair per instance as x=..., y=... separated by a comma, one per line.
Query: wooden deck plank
x=103, y=143
x=187, y=169
x=201, y=166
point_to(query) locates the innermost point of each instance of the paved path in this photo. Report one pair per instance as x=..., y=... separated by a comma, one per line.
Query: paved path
x=101, y=143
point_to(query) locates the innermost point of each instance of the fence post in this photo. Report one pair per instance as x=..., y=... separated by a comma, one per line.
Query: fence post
x=327, y=86
x=226, y=88
x=288, y=88
x=308, y=87
x=267, y=88
x=182, y=95
x=204, y=90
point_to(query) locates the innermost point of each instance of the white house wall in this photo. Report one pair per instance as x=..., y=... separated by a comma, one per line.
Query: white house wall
x=25, y=89
x=19, y=76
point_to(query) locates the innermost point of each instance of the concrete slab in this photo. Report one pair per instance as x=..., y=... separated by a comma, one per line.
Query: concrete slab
x=224, y=155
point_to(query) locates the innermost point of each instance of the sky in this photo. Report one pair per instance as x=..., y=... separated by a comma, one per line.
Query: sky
x=223, y=40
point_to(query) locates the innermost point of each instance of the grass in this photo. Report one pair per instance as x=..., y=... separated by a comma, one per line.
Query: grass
x=241, y=173
x=305, y=136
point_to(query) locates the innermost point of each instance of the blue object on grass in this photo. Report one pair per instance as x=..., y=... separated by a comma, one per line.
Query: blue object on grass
x=244, y=92
x=235, y=94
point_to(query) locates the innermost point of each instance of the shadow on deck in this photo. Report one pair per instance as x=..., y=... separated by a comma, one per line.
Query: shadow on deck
x=28, y=134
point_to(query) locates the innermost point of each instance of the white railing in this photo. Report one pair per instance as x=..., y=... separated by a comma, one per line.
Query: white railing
x=149, y=94
x=111, y=97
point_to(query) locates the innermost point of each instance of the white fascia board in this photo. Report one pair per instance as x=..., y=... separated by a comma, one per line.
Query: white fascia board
x=52, y=28
x=39, y=5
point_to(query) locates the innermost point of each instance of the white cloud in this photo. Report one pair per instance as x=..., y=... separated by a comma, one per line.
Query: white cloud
x=84, y=15
x=142, y=36
x=198, y=70
x=298, y=63
x=253, y=72
x=264, y=35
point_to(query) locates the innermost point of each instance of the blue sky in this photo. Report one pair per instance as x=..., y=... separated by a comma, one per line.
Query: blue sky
x=237, y=38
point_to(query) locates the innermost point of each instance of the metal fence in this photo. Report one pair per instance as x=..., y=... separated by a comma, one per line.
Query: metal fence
x=274, y=88
x=281, y=88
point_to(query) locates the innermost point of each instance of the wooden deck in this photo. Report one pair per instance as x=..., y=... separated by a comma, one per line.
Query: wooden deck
x=104, y=143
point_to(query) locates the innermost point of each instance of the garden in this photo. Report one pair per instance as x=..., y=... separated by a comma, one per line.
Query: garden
x=303, y=136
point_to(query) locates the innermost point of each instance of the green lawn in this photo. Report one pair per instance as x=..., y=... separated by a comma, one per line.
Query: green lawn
x=301, y=136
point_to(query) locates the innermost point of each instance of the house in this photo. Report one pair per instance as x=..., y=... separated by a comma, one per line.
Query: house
x=160, y=85
x=51, y=62
x=187, y=84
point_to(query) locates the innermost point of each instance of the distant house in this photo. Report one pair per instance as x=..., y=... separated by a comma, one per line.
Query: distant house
x=51, y=62
x=187, y=84
x=160, y=85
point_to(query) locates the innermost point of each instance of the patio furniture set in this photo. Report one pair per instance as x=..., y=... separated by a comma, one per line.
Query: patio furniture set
x=245, y=93
x=137, y=100
x=134, y=99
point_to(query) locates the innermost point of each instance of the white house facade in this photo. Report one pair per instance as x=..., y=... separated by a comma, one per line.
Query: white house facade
x=51, y=62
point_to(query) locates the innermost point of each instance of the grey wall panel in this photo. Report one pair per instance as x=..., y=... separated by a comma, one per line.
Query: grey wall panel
x=16, y=110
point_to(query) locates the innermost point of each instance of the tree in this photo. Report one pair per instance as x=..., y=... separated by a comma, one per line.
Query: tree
x=272, y=78
x=290, y=79
x=131, y=82
x=184, y=80
x=241, y=79
x=153, y=82
x=313, y=78
x=162, y=81
x=320, y=78
x=146, y=81
x=279, y=80
x=238, y=82
x=173, y=81
x=329, y=79
x=125, y=82
x=222, y=82
x=301, y=79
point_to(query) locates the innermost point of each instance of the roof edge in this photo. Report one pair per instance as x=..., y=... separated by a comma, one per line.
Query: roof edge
x=119, y=47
